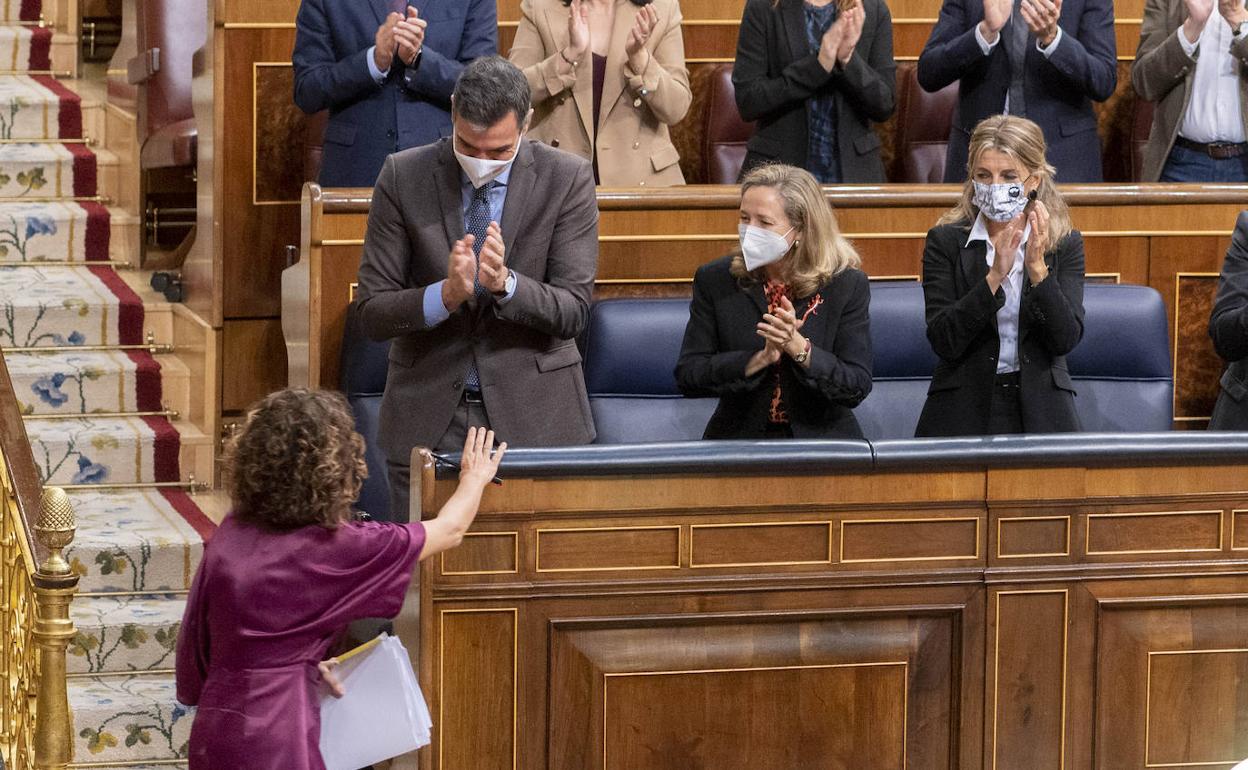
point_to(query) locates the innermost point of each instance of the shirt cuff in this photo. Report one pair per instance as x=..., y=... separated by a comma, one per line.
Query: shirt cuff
x=503, y=300
x=1189, y=48
x=1052, y=46
x=378, y=75
x=435, y=311
x=984, y=45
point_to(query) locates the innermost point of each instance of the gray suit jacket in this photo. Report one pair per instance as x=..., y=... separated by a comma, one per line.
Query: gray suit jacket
x=1228, y=326
x=1163, y=73
x=525, y=351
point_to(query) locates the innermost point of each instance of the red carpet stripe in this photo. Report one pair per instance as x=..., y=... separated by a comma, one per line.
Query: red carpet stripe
x=130, y=311
x=69, y=115
x=31, y=10
x=99, y=231
x=147, y=383
x=188, y=510
x=84, y=170
x=165, y=450
x=40, y=48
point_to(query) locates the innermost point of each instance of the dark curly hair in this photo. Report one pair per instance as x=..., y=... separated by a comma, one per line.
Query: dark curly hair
x=296, y=461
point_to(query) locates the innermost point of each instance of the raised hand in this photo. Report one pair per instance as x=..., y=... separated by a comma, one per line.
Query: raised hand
x=643, y=26
x=578, y=30
x=492, y=272
x=384, y=42
x=1198, y=12
x=853, y=17
x=410, y=35
x=996, y=14
x=1037, y=244
x=461, y=267
x=479, y=463
x=1005, y=245
x=780, y=329
x=1233, y=11
x=830, y=44
x=1041, y=17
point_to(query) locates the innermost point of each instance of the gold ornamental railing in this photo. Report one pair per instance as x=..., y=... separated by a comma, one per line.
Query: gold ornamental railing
x=36, y=587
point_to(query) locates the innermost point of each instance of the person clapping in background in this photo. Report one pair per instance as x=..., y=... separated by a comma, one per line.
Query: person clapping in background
x=1044, y=60
x=815, y=74
x=1193, y=61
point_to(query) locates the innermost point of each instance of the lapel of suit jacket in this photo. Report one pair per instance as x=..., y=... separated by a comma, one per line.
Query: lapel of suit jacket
x=519, y=192
x=450, y=194
x=794, y=19
x=583, y=89
x=614, y=82
x=755, y=292
x=973, y=261
x=381, y=9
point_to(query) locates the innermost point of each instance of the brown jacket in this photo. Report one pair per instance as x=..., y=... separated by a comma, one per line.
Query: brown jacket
x=1163, y=73
x=525, y=350
x=634, y=147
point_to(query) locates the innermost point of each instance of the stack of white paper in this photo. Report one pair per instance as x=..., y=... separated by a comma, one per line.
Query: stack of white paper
x=383, y=713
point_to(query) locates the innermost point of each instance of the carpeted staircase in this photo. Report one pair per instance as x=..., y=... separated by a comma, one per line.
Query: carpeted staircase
x=77, y=337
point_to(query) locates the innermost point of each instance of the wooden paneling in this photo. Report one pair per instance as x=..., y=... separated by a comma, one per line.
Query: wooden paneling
x=608, y=549
x=1197, y=367
x=734, y=545
x=1160, y=532
x=254, y=356
x=475, y=720
x=1030, y=537
x=910, y=539
x=1028, y=680
x=483, y=553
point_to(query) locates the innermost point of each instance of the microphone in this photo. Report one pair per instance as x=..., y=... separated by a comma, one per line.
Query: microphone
x=449, y=463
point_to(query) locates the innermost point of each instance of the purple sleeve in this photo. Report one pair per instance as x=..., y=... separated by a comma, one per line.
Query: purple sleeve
x=381, y=558
x=192, y=651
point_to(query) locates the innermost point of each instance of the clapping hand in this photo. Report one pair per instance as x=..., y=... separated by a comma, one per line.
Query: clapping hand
x=852, y=17
x=410, y=34
x=830, y=44
x=1005, y=245
x=780, y=329
x=643, y=26
x=1233, y=11
x=461, y=268
x=492, y=272
x=1041, y=17
x=1037, y=243
x=996, y=14
x=578, y=31
x=384, y=42
x=1198, y=12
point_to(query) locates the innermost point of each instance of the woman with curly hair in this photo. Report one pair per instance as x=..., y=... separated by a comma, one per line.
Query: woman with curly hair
x=288, y=570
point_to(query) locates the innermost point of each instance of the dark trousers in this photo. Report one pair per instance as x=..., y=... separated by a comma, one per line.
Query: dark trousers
x=1187, y=165
x=469, y=413
x=1006, y=412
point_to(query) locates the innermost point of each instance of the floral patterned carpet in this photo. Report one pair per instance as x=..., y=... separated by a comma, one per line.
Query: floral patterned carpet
x=92, y=407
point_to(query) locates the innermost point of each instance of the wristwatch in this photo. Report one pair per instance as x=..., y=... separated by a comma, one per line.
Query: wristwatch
x=805, y=354
x=509, y=285
x=1240, y=29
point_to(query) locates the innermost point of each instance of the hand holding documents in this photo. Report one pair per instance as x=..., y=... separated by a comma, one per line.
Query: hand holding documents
x=381, y=715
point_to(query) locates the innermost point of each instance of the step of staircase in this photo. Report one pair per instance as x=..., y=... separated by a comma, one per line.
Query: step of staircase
x=72, y=382
x=136, y=541
x=55, y=306
x=38, y=108
x=124, y=634
x=51, y=170
x=127, y=719
x=128, y=450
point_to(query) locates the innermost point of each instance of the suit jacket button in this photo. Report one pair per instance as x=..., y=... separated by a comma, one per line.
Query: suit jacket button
x=636, y=145
x=554, y=142
x=457, y=384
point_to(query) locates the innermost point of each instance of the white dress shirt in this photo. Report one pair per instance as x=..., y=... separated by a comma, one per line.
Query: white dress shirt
x=1007, y=314
x=1214, y=112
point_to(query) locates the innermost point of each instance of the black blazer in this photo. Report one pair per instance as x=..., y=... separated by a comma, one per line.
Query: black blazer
x=721, y=338
x=1228, y=326
x=775, y=75
x=962, y=328
x=1059, y=88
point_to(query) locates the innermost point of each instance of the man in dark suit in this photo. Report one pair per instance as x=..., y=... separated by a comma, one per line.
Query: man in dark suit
x=1045, y=60
x=1228, y=326
x=385, y=70
x=478, y=263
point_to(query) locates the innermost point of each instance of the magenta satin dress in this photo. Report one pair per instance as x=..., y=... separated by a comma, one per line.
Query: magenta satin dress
x=261, y=614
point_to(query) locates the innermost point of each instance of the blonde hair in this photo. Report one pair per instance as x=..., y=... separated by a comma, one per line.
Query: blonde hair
x=1023, y=141
x=821, y=252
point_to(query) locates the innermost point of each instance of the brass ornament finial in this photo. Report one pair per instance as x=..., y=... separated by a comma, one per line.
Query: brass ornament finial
x=55, y=529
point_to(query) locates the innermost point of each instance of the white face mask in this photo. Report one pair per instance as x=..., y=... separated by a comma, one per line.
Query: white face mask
x=761, y=247
x=483, y=170
x=1000, y=202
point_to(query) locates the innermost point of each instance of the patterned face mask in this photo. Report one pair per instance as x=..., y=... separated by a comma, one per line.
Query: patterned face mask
x=1000, y=202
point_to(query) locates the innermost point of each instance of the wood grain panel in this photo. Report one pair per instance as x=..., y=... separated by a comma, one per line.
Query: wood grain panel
x=821, y=716
x=727, y=545
x=1239, y=530
x=1197, y=367
x=476, y=716
x=277, y=136
x=608, y=548
x=879, y=540
x=1022, y=537
x=251, y=12
x=1196, y=707
x=483, y=553
x=255, y=353
x=1029, y=679
x=1154, y=532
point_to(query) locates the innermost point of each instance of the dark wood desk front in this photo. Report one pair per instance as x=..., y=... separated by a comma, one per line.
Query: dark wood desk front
x=922, y=615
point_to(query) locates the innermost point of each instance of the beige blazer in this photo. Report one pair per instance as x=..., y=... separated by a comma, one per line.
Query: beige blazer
x=1163, y=73
x=634, y=146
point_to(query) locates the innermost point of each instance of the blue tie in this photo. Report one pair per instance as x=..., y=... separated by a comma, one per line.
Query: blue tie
x=478, y=223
